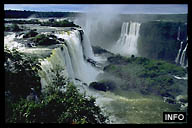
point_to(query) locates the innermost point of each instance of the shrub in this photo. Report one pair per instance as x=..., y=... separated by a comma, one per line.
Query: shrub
x=43, y=39
x=146, y=75
x=20, y=73
x=31, y=33
x=13, y=28
x=63, y=23
x=57, y=107
x=31, y=21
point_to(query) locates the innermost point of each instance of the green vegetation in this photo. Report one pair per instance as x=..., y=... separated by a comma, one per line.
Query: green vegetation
x=31, y=33
x=141, y=109
x=51, y=22
x=57, y=107
x=62, y=23
x=13, y=28
x=20, y=76
x=99, y=50
x=144, y=89
x=27, y=14
x=103, y=85
x=31, y=21
x=124, y=17
x=53, y=105
x=147, y=76
x=152, y=17
x=43, y=39
x=20, y=73
x=158, y=39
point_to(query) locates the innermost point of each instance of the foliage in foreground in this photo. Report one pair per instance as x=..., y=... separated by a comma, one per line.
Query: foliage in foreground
x=20, y=73
x=58, y=107
x=52, y=106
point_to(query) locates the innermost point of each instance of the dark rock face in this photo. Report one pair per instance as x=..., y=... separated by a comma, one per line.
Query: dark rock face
x=99, y=50
x=167, y=95
x=103, y=86
x=81, y=34
x=43, y=39
x=91, y=61
x=117, y=60
x=31, y=33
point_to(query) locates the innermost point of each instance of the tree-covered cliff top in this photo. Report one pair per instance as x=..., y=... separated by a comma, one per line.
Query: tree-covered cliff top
x=27, y=14
x=134, y=17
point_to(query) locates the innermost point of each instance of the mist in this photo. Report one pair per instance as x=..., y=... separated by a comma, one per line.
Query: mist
x=102, y=24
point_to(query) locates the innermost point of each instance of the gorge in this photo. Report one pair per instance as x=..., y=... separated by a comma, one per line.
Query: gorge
x=134, y=74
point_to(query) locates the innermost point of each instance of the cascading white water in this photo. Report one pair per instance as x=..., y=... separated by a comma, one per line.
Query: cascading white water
x=182, y=60
x=83, y=70
x=179, y=52
x=50, y=64
x=87, y=49
x=70, y=56
x=127, y=43
x=10, y=43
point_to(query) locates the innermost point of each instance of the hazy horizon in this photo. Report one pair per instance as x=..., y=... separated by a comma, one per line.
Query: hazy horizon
x=116, y=8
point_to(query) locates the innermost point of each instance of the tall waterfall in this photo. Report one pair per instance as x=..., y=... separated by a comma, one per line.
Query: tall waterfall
x=182, y=60
x=179, y=53
x=72, y=57
x=86, y=45
x=127, y=43
x=10, y=43
x=77, y=50
x=51, y=64
x=181, y=56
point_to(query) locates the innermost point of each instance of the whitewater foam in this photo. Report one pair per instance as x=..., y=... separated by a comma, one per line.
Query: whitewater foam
x=127, y=42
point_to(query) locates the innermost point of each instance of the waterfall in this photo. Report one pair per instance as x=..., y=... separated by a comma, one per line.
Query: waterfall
x=179, y=52
x=70, y=56
x=86, y=45
x=178, y=34
x=181, y=55
x=77, y=49
x=50, y=64
x=11, y=43
x=127, y=42
x=182, y=60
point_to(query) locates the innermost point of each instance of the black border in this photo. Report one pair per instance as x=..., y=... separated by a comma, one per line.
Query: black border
x=189, y=2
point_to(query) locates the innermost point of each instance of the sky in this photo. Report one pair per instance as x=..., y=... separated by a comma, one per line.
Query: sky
x=121, y=8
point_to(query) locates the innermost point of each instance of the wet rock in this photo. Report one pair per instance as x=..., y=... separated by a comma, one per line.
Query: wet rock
x=31, y=33
x=103, y=86
x=91, y=61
